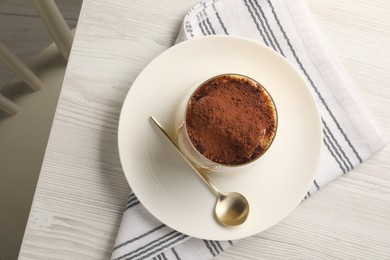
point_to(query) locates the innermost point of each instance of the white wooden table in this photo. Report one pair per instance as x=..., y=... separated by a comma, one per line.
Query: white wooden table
x=81, y=191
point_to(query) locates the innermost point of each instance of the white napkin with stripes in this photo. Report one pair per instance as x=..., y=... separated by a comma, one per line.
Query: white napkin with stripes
x=350, y=134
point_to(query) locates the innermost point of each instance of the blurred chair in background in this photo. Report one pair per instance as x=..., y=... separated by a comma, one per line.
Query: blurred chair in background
x=62, y=37
x=28, y=102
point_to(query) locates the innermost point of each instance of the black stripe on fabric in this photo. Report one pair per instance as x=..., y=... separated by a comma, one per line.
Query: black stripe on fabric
x=162, y=248
x=151, y=245
x=200, y=25
x=209, y=247
x=335, y=150
x=269, y=27
x=132, y=205
x=175, y=253
x=139, y=237
x=311, y=81
x=316, y=184
x=219, y=18
x=219, y=246
x=257, y=24
x=207, y=19
x=262, y=24
x=214, y=246
x=202, y=21
x=210, y=26
x=337, y=144
x=230, y=242
x=131, y=200
x=163, y=256
x=331, y=152
x=154, y=258
x=189, y=28
x=132, y=195
x=205, y=25
x=308, y=194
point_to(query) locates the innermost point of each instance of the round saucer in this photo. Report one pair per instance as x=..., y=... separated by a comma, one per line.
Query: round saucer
x=274, y=185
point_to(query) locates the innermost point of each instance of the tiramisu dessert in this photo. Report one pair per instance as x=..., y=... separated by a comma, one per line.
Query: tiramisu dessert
x=231, y=119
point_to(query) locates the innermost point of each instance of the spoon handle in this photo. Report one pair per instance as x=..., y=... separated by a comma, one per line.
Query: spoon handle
x=197, y=169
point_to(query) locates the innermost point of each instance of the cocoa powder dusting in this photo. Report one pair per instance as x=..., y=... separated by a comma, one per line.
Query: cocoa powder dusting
x=231, y=120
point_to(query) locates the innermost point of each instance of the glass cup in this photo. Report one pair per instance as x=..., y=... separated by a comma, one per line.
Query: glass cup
x=224, y=82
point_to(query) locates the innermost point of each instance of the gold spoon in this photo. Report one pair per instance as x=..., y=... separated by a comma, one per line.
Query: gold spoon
x=231, y=208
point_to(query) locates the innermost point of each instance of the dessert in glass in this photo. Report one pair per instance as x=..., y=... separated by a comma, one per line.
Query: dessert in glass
x=228, y=122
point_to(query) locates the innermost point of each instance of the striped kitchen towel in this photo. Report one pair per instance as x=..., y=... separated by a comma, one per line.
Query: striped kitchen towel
x=350, y=134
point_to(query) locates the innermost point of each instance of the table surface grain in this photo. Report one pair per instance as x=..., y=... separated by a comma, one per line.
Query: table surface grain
x=81, y=191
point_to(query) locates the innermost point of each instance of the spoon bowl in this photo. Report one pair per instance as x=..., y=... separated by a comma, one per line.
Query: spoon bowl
x=231, y=209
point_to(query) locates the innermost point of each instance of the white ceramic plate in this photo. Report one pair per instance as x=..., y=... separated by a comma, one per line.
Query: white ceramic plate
x=274, y=185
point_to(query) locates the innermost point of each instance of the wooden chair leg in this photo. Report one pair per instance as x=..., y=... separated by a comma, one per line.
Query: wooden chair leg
x=19, y=68
x=56, y=25
x=8, y=106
